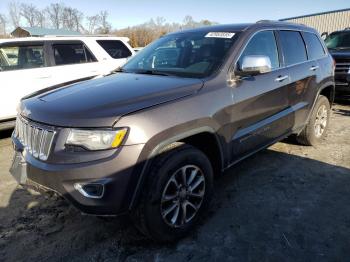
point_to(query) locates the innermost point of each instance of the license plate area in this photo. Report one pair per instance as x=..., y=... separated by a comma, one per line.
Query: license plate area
x=19, y=168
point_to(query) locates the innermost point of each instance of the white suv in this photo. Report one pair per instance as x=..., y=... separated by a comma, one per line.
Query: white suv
x=30, y=64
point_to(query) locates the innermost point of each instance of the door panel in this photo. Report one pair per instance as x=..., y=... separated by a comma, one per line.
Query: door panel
x=23, y=71
x=303, y=81
x=19, y=83
x=67, y=73
x=260, y=112
x=303, y=74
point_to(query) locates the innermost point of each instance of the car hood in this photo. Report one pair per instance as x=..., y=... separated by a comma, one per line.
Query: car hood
x=341, y=54
x=101, y=102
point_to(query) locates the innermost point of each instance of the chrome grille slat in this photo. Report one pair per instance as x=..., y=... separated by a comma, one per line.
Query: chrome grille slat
x=35, y=142
x=36, y=139
x=342, y=66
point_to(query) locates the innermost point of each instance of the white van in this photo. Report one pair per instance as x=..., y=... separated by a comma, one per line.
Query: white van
x=30, y=64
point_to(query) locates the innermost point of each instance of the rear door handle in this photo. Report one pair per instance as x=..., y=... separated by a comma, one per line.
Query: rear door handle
x=314, y=68
x=281, y=78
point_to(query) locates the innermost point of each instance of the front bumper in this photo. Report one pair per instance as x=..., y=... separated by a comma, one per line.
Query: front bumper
x=116, y=173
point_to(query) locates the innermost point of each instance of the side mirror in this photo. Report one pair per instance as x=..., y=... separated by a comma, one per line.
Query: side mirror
x=255, y=65
x=324, y=35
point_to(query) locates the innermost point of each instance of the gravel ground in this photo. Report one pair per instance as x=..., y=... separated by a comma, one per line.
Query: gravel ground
x=286, y=203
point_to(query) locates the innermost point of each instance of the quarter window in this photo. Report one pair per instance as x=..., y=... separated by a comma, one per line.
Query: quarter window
x=314, y=47
x=115, y=48
x=293, y=47
x=263, y=43
x=21, y=57
x=66, y=54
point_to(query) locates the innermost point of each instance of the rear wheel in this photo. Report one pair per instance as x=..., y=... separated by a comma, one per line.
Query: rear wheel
x=317, y=127
x=177, y=193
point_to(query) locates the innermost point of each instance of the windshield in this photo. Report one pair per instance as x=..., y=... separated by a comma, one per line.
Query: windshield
x=338, y=40
x=185, y=54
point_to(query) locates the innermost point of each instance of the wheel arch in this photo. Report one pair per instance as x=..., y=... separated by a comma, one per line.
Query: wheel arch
x=190, y=137
x=328, y=90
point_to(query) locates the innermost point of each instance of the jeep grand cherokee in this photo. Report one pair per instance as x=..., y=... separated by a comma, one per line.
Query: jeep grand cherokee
x=149, y=139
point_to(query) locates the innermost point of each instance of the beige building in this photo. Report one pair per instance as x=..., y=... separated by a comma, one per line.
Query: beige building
x=326, y=22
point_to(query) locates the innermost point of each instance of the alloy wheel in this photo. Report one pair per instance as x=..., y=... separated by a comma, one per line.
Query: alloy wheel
x=321, y=120
x=182, y=196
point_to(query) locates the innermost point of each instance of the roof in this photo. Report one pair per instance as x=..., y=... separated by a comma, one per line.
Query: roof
x=53, y=38
x=242, y=27
x=40, y=31
x=218, y=28
x=321, y=13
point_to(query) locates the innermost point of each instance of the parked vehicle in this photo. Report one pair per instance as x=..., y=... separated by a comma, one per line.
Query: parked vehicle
x=31, y=64
x=338, y=44
x=149, y=140
x=136, y=49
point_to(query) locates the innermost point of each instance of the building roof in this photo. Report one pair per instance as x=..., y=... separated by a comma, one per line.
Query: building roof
x=321, y=13
x=40, y=31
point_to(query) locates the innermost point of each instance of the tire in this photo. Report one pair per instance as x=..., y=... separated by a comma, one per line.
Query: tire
x=162, y=193
x=312, y=135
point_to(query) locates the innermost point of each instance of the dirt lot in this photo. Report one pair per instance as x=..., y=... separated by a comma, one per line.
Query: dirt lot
x=286, y=203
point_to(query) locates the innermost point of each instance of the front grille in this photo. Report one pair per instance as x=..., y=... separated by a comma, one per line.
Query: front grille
x=342, y=66
x=37, y=140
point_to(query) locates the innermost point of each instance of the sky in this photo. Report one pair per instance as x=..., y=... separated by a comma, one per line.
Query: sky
x=124, y=13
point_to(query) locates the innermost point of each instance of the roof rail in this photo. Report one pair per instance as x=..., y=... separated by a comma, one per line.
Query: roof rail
x=279, y=21
x=266, y=21
x=80, y=36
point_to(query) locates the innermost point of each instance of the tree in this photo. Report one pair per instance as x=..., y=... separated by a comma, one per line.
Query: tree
x=92, y=23
x=30, y=13
x=143, y=34
x=3, y=22
x=15, y=13
x=41, y=18
x=72, y=18
x=105, y=27
x=55, y=14
x=188, y=22
x=206, y=22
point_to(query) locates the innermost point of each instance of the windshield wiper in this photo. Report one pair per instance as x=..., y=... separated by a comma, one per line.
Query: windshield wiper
x=152, y=72
x=118, y=70
x=114, y=71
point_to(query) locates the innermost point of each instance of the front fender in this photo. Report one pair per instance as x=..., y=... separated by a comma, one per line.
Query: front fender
x=154, y=147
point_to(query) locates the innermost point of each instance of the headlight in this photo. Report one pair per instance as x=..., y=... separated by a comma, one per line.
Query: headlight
x=96, y=139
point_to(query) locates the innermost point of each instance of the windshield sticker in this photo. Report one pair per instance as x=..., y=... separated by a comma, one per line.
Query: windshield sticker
x=220, y=34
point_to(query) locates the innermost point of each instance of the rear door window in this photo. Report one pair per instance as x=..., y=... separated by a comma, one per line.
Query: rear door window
x=314, y=47
x=72, y=53
x=18, y=57
x=115, y=48
x=293, y=47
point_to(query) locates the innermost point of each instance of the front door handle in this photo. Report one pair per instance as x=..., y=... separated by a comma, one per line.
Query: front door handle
x=314, y=68
x=281, y=78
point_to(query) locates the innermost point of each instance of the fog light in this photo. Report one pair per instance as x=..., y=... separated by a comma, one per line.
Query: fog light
x=91, y=190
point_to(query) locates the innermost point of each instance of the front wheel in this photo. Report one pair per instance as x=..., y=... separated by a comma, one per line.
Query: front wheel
x=177, y=193
x=317, y=126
